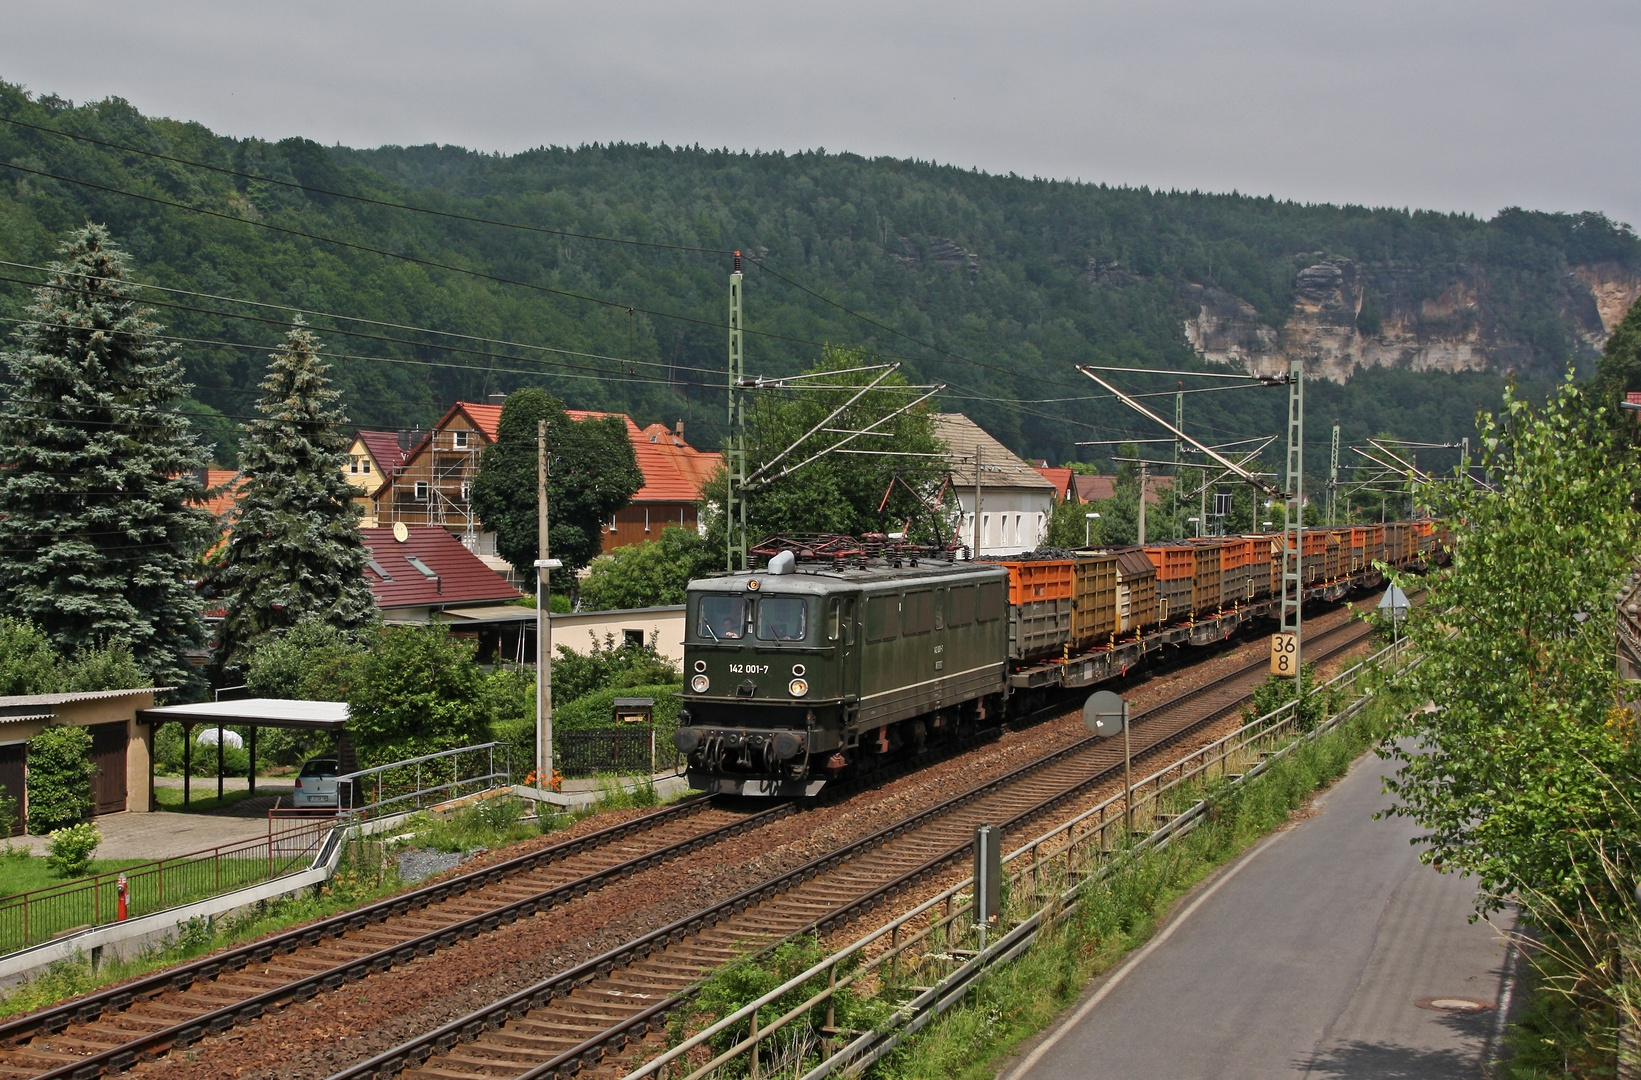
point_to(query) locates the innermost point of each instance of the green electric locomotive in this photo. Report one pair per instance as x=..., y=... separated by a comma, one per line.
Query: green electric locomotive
x=798, y=674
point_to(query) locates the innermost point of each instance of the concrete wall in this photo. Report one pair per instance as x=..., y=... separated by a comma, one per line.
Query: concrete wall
x=578, y=632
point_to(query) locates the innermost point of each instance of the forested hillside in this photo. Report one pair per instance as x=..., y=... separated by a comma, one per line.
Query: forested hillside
x=995, y=285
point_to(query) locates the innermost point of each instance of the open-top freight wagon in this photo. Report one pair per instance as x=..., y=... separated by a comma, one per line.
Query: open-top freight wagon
x=839, y=655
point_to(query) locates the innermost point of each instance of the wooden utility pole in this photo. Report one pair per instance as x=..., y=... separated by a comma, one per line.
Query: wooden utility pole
x=544, y=623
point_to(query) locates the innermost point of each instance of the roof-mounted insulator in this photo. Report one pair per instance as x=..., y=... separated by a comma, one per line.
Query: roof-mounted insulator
x=737, y=262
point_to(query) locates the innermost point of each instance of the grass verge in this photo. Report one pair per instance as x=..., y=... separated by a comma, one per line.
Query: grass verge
x=1119, y=913
x=170, y=799
x=352, y=885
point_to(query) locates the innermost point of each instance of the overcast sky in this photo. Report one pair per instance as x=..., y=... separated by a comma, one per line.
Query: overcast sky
x=1451, y=106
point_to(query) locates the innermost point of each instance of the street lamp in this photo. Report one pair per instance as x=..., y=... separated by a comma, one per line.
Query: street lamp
x=544, y=678
x=1198, y=523
x=1267, y=525
x=1088, y=522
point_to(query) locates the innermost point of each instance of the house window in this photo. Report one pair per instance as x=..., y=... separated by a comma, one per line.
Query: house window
x=364, y=465
x=612, y=523
x=421, y=491
x=460, y=439
x=646, y=519
x=632, y=639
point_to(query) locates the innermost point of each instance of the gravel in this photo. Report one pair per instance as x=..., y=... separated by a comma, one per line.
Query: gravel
x=418, y=863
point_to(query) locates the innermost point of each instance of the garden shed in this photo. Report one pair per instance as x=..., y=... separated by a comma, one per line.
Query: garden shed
x=121, y=748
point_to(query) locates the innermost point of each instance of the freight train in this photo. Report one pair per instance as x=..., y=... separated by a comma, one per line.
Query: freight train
x=839, y=655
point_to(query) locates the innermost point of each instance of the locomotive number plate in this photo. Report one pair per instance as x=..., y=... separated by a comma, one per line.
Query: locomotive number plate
x=749, y=669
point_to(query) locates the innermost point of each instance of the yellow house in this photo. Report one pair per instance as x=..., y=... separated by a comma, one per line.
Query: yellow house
x=373, y=460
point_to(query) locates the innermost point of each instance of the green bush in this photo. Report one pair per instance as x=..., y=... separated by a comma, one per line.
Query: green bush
x=236, y=760
x=416, y=690
x=588, y=713
x=59, y=777
x=71, y=848
x=109, y=668
x=609, y=666
x=304, y=662
x=28, y=663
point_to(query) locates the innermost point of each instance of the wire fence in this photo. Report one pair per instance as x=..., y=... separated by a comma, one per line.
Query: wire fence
x=29, y=918
x=923, y=962
x=633, y=749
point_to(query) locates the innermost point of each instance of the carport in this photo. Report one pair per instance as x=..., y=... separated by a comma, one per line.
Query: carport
x=253, y=713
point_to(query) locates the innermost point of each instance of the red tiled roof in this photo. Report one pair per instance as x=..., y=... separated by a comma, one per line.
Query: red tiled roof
x=1094, y=488
x=673, y=469
x=462, y=577
x=384, y=449
x=1060, y=478
x=221, y=503
x=485, y=417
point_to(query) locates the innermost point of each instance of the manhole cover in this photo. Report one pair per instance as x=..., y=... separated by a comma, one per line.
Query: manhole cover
x=1453, y=1004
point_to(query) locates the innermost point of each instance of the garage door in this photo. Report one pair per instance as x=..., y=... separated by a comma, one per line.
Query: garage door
x=108, y=751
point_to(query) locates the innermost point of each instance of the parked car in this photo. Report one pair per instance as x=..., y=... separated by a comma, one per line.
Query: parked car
x=316, y=784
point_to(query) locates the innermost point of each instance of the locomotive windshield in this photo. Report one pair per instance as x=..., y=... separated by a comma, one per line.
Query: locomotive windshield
x=722, y=618
x=782, y=618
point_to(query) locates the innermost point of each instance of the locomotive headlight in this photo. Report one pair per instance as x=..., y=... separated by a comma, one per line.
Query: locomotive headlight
x=798, y=687
x=699, y=684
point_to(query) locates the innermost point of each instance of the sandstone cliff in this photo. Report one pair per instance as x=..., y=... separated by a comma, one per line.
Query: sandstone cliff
x=1384, y=314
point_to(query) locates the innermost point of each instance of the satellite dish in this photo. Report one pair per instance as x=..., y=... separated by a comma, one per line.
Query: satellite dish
x=401, y=532
x=1105, y=713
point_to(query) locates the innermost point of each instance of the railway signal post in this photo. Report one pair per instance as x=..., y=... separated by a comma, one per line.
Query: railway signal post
x=1293, y=533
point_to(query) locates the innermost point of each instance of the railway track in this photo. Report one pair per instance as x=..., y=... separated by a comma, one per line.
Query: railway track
x=111, y=1030
x=576, y=1020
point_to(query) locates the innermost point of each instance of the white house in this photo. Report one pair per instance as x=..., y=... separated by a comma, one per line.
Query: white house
x=1016, y=501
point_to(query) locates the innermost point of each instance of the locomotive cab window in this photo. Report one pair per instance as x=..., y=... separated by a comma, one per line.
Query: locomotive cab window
x=960, y=606
x=722, y=618
x=782, y=618
x=834, y=620
x=991, y=601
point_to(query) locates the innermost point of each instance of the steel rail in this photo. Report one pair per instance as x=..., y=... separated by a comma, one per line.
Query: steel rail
x=591, y=1051
x=121, y=997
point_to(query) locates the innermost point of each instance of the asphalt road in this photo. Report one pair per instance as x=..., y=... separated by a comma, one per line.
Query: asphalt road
x=1303, y=958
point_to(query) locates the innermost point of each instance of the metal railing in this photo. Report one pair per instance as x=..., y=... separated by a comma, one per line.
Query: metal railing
x=419, y=782
x=918, y=963
x=38, y=915
x=633, y=749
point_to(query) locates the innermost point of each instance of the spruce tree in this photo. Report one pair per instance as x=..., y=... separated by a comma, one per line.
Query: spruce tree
x=100, y=536
x=295, y=552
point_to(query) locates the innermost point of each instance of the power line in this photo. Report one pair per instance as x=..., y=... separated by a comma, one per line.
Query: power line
x=345, y=318
x=360, y=198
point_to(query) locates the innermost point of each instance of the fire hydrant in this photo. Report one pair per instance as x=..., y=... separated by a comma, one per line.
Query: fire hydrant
x=122, y=889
